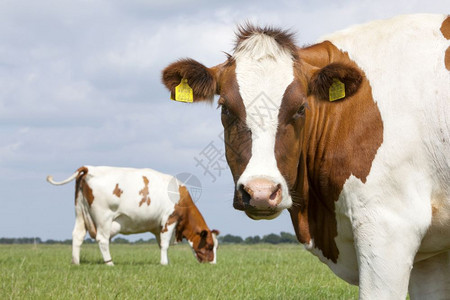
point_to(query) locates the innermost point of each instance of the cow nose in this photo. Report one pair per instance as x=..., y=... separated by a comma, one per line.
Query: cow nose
x=263, y=193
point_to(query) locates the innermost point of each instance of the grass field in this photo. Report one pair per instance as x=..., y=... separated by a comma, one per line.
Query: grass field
x=242, y=272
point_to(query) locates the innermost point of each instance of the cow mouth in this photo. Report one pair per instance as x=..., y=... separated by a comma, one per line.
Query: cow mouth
x=257, y=214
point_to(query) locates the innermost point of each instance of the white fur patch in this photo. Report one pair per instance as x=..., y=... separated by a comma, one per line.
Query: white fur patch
x=263, y=70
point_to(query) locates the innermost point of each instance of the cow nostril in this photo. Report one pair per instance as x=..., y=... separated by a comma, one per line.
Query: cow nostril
x=275, y=192
x=245, y=195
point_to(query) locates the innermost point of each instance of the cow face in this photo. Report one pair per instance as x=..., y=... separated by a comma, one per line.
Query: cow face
x=266, y=93
x=204, y=245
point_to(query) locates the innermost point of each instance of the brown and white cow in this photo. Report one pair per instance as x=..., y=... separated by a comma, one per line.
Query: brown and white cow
x=352, y=136
x=110, y=200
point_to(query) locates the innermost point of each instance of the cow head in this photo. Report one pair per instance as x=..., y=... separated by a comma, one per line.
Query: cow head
x=204, y=245
x=267, y=91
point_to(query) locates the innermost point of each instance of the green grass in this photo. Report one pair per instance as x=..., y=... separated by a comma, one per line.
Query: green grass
x=242, y=272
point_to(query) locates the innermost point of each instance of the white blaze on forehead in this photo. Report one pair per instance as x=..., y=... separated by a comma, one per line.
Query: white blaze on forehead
x=264, y=70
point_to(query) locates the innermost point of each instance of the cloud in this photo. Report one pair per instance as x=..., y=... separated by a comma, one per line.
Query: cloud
x=80, y=84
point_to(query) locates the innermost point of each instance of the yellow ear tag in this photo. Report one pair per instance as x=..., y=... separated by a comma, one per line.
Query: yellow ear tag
x=337, y=90
x=183, y=92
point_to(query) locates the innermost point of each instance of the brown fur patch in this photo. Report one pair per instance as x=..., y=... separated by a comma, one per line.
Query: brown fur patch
x=445, y=28
x=145, y=192
x=200, y=78
x=283, y=37
x=180, y=212
x=88, y=193
x=186, y=214
x=117, y=191
x=336, y=139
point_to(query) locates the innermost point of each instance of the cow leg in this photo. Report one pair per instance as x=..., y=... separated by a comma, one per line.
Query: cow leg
x=385, y=258
x=430, y=278
x=164, y=242
x=78, y=235
x=115, y=229
x=103, y=237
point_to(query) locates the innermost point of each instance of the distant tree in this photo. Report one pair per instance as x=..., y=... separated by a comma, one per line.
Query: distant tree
x=253, y=239
x=6, y=241
x=257, y=239
x=120, y=240
x=286, y=237
x=21, y=240
x=249, y=240
x=271, y=238
x=232, y=239
x=51, y=242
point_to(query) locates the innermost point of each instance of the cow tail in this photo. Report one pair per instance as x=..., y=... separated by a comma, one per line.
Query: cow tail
x=77, y=173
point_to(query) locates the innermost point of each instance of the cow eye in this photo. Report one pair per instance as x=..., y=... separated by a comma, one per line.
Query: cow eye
x=300, y=113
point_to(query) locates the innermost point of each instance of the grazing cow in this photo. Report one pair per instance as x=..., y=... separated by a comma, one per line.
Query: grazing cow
x=352, y=136
x=111, y=200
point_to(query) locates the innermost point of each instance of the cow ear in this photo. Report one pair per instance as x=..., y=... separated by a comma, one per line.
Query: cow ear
x=215, y=231
x=339, y=77
x=201, y=79
x=204, y=234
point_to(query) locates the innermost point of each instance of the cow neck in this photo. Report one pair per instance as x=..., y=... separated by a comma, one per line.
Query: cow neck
x=339, y=139
x=187, y=215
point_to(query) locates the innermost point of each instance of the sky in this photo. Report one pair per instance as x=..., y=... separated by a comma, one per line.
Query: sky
x=80, y=85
